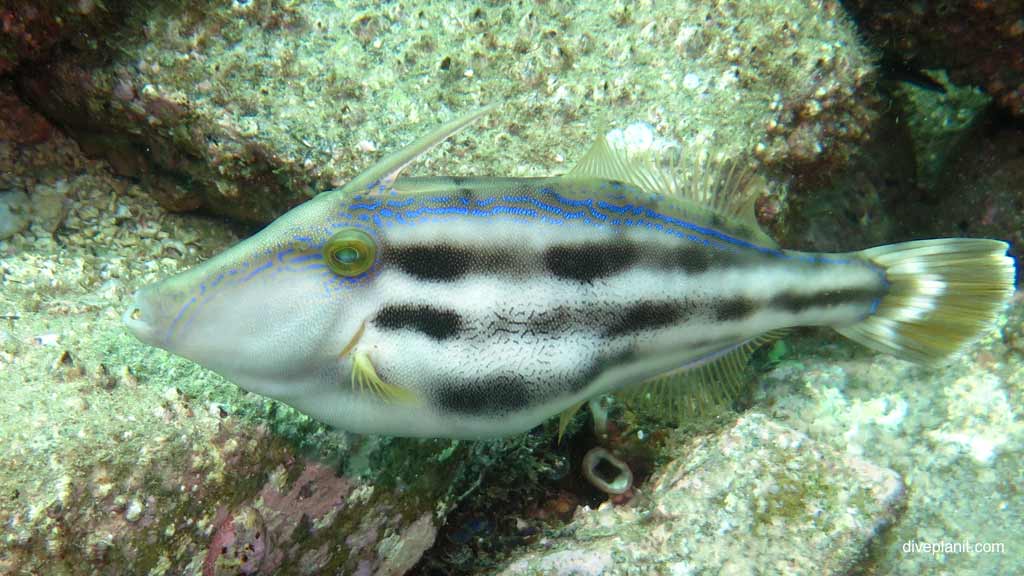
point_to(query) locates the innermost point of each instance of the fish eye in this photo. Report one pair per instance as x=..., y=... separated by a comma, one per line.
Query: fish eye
x=350, y=252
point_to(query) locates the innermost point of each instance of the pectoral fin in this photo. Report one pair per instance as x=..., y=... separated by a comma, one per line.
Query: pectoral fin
x=366, y=381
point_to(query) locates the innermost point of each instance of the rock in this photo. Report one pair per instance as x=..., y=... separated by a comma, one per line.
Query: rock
x=50, y=204
x=979, y=189
x=954, y=431
x=137, y=481
x=862, y=205
x=118, y=459
x=19, y=123
x=756, y=496
x=246, y=111
x=31, y=29
x=977, y=43
x=14, y=217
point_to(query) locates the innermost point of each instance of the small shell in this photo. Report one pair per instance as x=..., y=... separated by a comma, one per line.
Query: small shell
x=618, y=484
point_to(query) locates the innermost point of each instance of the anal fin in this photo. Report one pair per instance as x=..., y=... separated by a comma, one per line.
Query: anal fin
x=696, y=390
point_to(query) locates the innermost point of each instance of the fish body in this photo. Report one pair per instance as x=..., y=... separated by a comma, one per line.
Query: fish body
x=480, y=307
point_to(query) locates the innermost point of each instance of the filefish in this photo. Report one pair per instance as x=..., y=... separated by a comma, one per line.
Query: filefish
x=473, y=307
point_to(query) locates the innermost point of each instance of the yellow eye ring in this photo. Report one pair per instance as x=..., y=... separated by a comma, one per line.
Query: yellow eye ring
x=350, y=252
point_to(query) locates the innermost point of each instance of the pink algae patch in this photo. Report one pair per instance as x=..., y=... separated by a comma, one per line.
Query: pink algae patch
x=257, y=537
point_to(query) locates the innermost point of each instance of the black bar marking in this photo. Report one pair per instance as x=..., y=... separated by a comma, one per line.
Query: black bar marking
x=648, y=316
x=733, y=309
x=494, y=396
x=692, y=259
x=796, y=303
x=441, y=262
x=590, y=261
x=448, y=263
x=436, y=323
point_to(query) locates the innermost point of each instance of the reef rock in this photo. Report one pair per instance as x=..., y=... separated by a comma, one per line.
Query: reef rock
x=954, y=431
x=248, y=108
x=756, y=496
x=30, y=30
x=977, y=43
x=117, y=459
x=13, y=212
x=978, y=192
x=114, y=477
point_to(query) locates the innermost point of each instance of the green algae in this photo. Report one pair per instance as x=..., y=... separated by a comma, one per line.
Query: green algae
x=938, y=121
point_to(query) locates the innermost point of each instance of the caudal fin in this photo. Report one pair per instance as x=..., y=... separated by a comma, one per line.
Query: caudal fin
x=942, y=294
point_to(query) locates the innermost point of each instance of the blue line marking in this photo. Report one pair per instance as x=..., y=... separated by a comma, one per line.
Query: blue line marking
x=256, y=271
x=400, y=203
x=307, y=258
x=370, y=214
x=588, y=202
x=366, y=206
x=281, y=255
x=177, y=318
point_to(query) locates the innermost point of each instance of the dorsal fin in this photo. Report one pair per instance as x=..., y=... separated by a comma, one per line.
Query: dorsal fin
x=724, y=191
x=383, y=174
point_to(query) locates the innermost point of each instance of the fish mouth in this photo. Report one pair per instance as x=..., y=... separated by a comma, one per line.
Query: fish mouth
x=141, y=319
